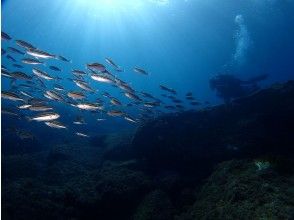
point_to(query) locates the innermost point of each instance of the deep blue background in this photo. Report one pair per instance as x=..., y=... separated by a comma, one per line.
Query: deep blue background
x=181, y=43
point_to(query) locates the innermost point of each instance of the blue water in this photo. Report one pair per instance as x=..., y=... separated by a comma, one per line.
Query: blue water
x=182, y=44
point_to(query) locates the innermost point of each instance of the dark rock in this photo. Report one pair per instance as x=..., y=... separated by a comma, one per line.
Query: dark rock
x=192, y=142
x=155, y=206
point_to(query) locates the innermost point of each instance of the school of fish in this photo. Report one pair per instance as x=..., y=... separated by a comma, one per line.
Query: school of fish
x=35, y=94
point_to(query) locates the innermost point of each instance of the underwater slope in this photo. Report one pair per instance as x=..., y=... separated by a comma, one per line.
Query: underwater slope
x=160, y=173
x=195, y=141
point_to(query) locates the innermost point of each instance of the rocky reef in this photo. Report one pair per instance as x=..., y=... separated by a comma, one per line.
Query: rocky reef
x=225, y=162
x=238, y=189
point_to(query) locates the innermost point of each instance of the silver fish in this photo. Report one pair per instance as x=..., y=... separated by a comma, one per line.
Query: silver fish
x=40, y=54
x=76, y=95
x=83, y=85
x=54, y=95
x=26, y=106
x=55, y=124
x=26, y=94
x=31, y=61
x=96, y=66
x=40, y=108
x=11, y=96
x=101, y=78
x=48, y=116
x=42, y=74
x=129, y=118
x=115, y=113
x=62, y=58
x=140, y=70
x=89, y=106
x=82, y=135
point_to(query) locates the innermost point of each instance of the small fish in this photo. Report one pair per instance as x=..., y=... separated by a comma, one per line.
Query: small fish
x=26, y=94
x=42, y=74
x=108, y=60
x=78, y=72
x=5, y=36
x=129, y=118
x=10, y=58
x=3, y=51
x=115, y=101
x=26, y=106
x=82, y=135
x=8, y=112
x=40, y=108
x=40, y=54
x=140, y=70
x=14, y=50
x=55, y=68
x=189, y=94
x=107, y=95
x=58, y=87
x=147, y=95
x=168, y=89
x=151, y=104
x=101, y=78
x=132, y=96
x=101, y=119
x=53, y=95
x=36, y=101
x=79, y=121
x=126, y=87
x=31, y=61
x=55, y=124
x=48, y=116
x=20, y=75
x=115, y=113
x=76, y=95
x=83, y=85
x=11, y=96
x=25, y=45
x=62, y=58
x=5, y=73
x=89, y=106
x=96, y=66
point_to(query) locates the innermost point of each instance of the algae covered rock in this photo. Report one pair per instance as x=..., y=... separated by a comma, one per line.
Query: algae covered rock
x=121, y=188
x=155, y=206
x=239, y=190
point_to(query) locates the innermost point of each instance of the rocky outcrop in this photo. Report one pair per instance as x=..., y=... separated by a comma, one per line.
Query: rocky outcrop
x=240, y=190
x=195, y=141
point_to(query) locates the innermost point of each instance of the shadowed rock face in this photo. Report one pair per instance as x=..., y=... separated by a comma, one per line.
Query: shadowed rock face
x=194, y=141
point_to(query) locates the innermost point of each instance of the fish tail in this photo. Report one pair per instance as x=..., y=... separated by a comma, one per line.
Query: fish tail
x=28, y=118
